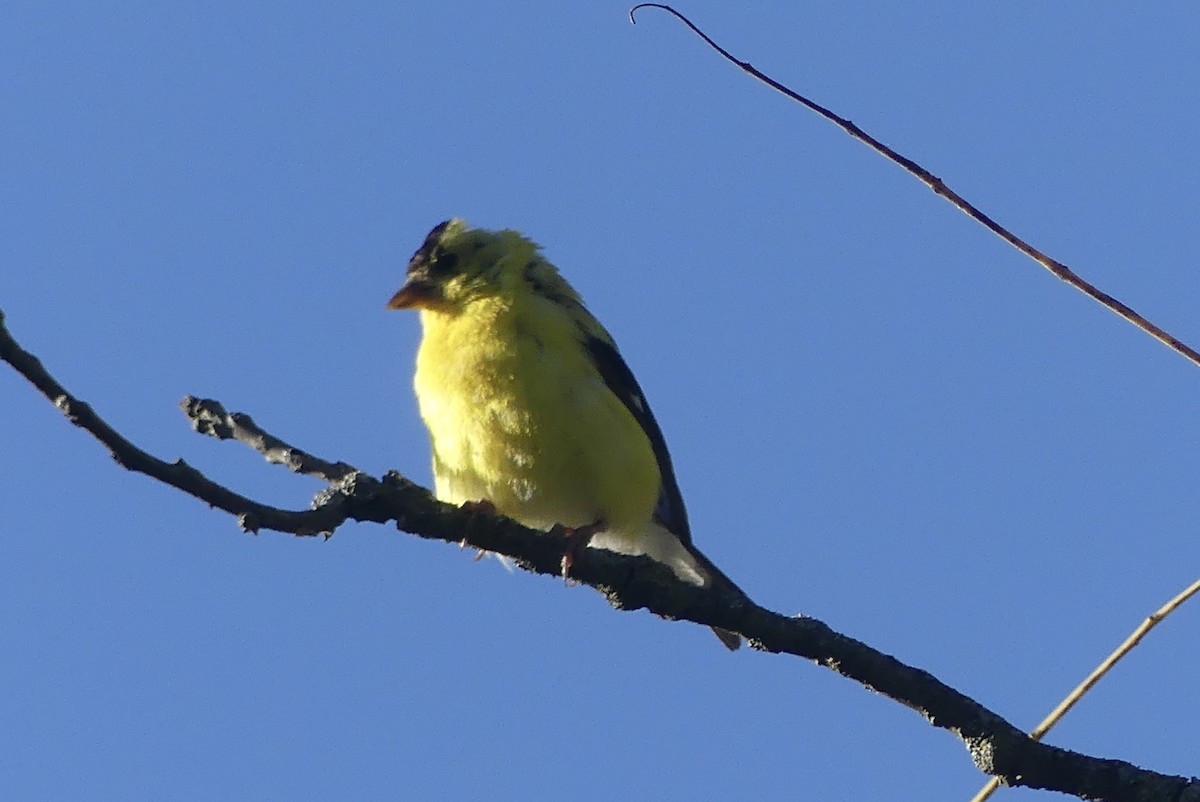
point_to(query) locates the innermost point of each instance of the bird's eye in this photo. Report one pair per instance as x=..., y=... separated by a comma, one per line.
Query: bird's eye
x=444, y=263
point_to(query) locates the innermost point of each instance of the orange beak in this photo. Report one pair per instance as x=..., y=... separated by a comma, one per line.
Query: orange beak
x=416, y=293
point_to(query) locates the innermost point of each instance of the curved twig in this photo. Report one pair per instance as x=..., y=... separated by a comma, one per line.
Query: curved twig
x=938, y=186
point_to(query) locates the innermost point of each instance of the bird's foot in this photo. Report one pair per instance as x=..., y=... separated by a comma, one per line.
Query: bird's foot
x=577, y=540
x=481, y=507
x=478, y=509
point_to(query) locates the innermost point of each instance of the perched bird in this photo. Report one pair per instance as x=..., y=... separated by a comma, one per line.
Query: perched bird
x=531, y=409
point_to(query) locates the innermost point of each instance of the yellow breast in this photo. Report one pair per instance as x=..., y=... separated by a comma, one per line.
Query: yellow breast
x=518, y=415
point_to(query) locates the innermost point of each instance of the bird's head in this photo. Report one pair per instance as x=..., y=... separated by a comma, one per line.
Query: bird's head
x=458, y=264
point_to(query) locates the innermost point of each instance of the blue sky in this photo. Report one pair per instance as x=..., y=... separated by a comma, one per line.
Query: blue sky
x=880, y=415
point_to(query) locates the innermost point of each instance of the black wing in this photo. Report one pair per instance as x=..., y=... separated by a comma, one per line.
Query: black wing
x=669, y=511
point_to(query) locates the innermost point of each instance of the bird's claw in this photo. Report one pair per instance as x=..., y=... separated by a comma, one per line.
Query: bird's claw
x=481, y=507
x=478, y=509
x=577, y=540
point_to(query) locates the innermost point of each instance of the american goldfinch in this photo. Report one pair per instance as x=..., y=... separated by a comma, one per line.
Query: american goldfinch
x=531, y=409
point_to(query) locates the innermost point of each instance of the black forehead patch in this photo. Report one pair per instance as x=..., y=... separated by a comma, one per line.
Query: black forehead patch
x=431, y=240
x=436, y=233
x=428, y=254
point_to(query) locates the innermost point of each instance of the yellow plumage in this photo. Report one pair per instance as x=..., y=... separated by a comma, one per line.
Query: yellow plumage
x=530, y=406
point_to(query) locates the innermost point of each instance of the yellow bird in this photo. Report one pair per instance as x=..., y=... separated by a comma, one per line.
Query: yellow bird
x=532, y=410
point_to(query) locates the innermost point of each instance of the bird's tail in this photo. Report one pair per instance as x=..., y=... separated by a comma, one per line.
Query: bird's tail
x=689, y=563
x=718, y=580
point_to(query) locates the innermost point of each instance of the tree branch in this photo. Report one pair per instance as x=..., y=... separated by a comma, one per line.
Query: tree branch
x=1054, y=266
x=629, y=583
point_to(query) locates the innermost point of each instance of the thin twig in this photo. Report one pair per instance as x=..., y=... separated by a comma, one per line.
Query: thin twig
x=937, y=185
x=210, y=417
x=1097, y=674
